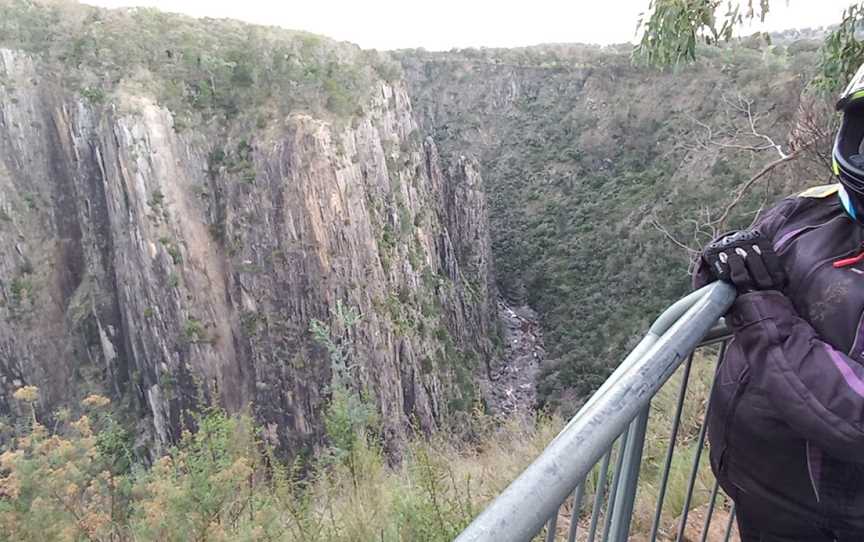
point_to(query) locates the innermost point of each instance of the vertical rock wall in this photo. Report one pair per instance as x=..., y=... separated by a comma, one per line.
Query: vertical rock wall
x=175, y=268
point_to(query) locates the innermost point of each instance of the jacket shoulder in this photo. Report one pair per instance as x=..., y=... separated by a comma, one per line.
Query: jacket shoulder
x=812, y=206
x=820, y=192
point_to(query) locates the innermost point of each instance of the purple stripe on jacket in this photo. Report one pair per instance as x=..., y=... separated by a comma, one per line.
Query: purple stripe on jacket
x=787, y=237
x=852, y=380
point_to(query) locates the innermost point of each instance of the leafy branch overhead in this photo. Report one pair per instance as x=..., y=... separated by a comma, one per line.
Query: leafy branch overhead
x=842, y=51
x=672, y=30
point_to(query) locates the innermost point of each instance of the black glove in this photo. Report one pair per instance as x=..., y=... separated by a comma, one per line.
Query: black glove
x=747, y=260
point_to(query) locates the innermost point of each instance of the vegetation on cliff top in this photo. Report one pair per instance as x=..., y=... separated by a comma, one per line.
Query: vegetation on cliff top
x=200, y=69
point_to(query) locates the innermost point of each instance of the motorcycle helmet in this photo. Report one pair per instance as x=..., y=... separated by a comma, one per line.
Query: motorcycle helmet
x=848, y=154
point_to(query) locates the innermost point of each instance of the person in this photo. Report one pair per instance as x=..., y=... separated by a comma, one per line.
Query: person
x=786, y=422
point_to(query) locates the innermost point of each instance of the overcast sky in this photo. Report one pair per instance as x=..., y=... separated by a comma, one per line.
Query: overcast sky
x=444, y=24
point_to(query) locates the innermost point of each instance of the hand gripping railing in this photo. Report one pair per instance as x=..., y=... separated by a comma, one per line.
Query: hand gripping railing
x=619, y=408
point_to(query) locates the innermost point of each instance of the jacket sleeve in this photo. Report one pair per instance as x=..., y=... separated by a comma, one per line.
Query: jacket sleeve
x=819, y=390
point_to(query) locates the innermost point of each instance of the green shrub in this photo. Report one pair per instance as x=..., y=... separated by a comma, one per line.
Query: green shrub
x=93, y=95
x=220, y=482
x=350, y=419
x=194, y=332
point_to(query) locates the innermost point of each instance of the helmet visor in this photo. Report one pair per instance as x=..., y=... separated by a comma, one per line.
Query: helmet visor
x=852, y=181
x=854, y=90
x=849, y=148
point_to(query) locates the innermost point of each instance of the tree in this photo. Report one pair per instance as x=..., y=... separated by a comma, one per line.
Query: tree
x=672, y=29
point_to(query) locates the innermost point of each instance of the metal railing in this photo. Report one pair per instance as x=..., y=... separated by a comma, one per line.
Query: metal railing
x=565, y=473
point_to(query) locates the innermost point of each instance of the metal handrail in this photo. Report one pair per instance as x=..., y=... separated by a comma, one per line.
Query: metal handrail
x=618, y=408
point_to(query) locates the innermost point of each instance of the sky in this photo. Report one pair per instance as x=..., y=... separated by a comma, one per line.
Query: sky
x=445, y=24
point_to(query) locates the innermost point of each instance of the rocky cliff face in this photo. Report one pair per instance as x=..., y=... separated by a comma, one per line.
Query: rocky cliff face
x=176, y=267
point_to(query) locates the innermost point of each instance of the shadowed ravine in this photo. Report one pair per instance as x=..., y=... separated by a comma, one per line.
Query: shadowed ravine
x=510, y=386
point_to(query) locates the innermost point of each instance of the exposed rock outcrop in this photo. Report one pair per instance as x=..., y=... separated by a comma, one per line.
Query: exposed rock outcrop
x=179, y=267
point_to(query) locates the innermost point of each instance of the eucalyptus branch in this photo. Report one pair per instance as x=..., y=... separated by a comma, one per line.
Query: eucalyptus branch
x=742, y=191
x=671, y=238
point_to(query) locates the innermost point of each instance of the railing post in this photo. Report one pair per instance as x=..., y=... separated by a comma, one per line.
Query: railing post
x=551, y=527
x=616, y=481
x=697, y=454
x=626, y=497
x=578, y=495
x=599, y=494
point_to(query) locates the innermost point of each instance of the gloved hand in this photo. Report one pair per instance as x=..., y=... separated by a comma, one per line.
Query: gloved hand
x=747, y=260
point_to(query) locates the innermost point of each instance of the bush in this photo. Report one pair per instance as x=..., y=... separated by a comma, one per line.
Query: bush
x=350, y=419
x=203, y=487
x=77, y=481
x=71, y=484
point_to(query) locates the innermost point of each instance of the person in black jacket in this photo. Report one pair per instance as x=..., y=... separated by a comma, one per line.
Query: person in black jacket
x=786, y=425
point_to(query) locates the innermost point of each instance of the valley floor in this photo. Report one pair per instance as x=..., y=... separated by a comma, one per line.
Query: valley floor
x=510, y=385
